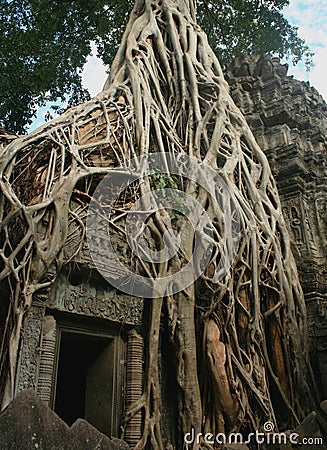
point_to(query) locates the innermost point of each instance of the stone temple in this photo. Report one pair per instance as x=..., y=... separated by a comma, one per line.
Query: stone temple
x=289, y=120
x=81, y=348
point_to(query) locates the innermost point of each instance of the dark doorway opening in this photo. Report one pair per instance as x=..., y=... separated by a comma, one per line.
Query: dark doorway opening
x=85, y=379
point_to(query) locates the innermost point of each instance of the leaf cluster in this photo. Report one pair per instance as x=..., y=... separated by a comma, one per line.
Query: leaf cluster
x=43, y=48
x=237, y=27
x=44, y=44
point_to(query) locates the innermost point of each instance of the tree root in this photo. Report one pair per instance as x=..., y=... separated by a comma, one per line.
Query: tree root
x=166, y=93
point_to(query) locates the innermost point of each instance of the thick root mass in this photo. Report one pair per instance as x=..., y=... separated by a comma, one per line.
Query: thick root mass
x=240, y=343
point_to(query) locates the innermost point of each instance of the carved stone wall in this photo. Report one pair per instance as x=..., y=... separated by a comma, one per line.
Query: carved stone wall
x=47, y=360
x=80, y=301
x=134, y=386
x=84, y=304
x=95, y=300
x=29, y=358
x=289, y=120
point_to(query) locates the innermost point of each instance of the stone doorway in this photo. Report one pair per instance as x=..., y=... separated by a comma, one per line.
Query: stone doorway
x=86, y=334
x=85, y=379
x=82, y=370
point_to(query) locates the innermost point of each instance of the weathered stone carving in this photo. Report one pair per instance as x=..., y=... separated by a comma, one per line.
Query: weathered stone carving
x=30, y=350
x=95, y=301
x=296, y=224
x=134, y=385
x=289, y=120
x=47, y=360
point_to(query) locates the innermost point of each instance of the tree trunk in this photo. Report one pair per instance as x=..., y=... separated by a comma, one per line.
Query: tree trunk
x=166, y=94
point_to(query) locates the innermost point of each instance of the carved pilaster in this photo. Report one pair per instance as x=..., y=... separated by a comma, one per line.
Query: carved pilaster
x=134, y=385
x=29, y=353
x=46, y=370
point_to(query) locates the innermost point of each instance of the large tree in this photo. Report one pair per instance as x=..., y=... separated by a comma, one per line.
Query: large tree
x=237, y=331
x=44, y=44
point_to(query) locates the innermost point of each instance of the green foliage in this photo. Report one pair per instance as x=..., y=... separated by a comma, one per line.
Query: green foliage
x=43, y=47
x=237, y=27
x=44, y=44
x=160, y=180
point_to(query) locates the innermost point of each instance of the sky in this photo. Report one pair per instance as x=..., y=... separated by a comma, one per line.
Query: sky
x=310, y=16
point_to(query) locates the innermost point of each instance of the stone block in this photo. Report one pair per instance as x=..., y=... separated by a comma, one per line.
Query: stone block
x=28, y=423
x=310, y=433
